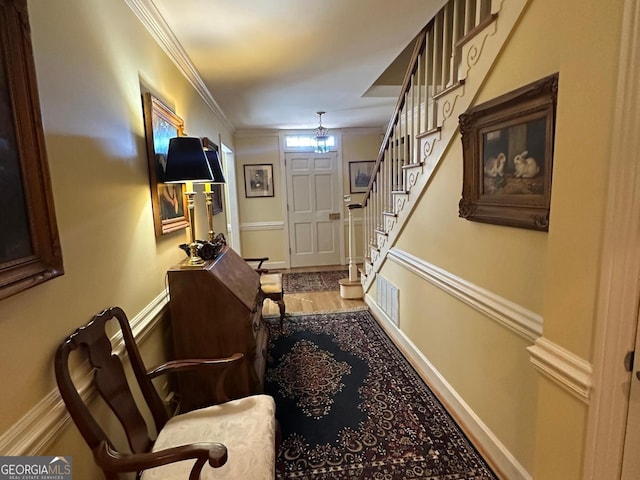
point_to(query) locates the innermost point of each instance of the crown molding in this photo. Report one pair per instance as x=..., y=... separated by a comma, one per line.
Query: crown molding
x=152, y=19
x=257, y=132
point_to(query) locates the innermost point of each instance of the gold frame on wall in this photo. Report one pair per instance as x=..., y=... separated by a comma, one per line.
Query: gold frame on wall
x=508, y=157
x=167, y=200
x=30, y=251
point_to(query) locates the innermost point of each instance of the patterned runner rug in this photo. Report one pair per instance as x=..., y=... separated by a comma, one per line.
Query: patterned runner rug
x=312, y=281
x=351, y=407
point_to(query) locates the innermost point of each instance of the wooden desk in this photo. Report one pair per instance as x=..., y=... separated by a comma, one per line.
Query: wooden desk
x=216, y=310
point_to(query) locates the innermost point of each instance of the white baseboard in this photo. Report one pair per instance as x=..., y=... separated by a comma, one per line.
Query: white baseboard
x=40, y=427
x=493, y=450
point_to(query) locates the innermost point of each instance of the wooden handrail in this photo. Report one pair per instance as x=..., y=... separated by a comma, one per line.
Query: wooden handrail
x=433, y=72
x=417, y=50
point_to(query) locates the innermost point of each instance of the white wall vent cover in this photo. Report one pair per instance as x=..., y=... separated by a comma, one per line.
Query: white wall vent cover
x=387, y=298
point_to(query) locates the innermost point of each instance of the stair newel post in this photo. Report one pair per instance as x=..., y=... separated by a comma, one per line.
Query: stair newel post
x=353, y=269
x=351, y=287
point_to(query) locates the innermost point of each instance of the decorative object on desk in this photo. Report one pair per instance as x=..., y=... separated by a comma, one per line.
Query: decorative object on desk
x=213, y=190
x=358, y=410
x=508, y=157
x=30, y=250
x=168, y=204
x=258, y=180
x=207, y=250
x=360, y=175
x=297, y=282
x=187, y=163
x=321, y=136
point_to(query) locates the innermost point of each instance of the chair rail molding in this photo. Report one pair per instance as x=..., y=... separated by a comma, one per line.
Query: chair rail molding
x=520, y=320
x=568, y=370
x=261, y=226
x=44, y=423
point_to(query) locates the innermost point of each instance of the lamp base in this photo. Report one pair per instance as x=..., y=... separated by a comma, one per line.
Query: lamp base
x=194, y=259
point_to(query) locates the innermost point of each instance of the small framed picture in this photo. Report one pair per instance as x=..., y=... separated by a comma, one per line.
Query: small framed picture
x=258, y=180
x=360, y=175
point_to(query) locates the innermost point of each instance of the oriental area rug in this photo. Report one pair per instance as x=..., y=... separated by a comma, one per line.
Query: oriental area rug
x=299, y=282
x=351, y=407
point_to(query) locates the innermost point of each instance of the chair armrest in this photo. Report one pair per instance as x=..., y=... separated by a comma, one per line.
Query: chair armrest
x=186, y=364
x=113, y=461
x=193, y=364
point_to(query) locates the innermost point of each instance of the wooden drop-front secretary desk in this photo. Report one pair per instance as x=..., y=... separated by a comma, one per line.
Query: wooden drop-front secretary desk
x=216, y=310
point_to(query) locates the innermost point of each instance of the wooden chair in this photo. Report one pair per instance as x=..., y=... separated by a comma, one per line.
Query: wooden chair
x=236, y=438
x=270, y=285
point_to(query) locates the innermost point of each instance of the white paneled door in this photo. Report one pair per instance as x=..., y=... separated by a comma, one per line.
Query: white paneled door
x=314, y=208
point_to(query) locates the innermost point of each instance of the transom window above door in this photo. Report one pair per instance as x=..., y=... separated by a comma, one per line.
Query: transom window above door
x=305, y=142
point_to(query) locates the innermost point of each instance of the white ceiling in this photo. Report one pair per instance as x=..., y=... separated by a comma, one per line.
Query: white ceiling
x=274, y=63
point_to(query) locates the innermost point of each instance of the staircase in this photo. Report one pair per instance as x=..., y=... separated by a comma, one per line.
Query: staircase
x=452, y=56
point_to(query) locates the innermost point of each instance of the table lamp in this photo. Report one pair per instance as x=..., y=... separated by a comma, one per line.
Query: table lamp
x=187, y=163
x=216, y=169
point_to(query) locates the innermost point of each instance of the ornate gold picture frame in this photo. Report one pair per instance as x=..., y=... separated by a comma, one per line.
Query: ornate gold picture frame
x=508, y=157
x=30, y=251
x=168, y=202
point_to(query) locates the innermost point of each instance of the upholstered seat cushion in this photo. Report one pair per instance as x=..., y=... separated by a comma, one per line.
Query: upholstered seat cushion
x=245, y=426
x=271, y=282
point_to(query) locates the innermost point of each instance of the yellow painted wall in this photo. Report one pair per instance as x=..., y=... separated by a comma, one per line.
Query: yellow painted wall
x=91, y=57
x=254, y=149
x=553, y=274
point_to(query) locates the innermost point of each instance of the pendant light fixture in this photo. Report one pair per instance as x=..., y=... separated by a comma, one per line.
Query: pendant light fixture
x=321, y=137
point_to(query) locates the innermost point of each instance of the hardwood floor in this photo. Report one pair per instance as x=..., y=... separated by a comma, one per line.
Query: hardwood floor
x=313, y=301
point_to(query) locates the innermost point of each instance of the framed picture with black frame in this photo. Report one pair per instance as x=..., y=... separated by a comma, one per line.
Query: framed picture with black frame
x=258, y=180
x=360, y=175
